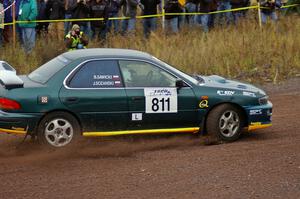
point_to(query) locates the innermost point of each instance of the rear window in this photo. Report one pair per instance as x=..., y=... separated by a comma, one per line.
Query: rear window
x=97, y=74
x=46, y=71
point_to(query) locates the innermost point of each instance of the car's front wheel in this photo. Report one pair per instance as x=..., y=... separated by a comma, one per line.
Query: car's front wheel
x=225, y=123
x=58, y=129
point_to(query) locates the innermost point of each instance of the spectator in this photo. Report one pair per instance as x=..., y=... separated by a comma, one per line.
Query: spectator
x=238, y=4
x=172, y=21
x=99, y=9
x=190, y=7
x=149, y=23
x=28, y=12
x=56, y=10
x=114, y=7
x=211, y=18
x=129, y=10
x=226, y=17
x=295, y=9
x=270, y=11
x=1, y=22
x=81, y=11
x=42, y=28
x=206, y=20
x=68, y=14
x=181, y=18
x=8, y=32
x=76, y=39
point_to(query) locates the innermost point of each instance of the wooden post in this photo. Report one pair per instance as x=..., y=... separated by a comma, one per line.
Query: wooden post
x=14, y=22
x=163, y=13
x=259, y=15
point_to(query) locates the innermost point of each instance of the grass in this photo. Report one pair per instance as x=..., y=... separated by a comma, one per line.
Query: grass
x=243, y=52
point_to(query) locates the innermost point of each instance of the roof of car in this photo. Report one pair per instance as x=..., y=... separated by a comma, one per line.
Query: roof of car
x=105, y=52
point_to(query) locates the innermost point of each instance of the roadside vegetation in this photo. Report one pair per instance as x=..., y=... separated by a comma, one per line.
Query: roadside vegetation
x=244, y=52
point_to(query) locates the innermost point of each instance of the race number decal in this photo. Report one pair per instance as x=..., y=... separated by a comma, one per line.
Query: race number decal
x=161, y=100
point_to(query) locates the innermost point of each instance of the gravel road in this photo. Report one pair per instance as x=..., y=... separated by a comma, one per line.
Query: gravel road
x=262, y=164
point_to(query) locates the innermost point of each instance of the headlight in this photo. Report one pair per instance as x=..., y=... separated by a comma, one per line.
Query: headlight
x=263, y=100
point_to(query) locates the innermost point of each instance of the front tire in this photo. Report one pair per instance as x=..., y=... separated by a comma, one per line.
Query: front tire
x=225, y=123
x=58, y=129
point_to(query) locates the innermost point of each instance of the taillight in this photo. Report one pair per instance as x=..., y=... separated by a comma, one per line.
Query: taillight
x=8, y=104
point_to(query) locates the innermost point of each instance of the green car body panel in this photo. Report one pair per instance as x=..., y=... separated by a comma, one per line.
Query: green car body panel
x=112, y=109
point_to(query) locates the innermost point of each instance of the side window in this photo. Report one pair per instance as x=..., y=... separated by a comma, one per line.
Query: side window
x=142, y=74
x=97, y=74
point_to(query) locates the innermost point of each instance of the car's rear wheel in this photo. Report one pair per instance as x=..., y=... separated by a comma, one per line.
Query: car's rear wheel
x=58, y=129
x=225, y=123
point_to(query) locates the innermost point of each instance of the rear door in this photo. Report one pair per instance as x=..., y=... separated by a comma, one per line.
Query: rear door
x=154, y=101
x=95, y=92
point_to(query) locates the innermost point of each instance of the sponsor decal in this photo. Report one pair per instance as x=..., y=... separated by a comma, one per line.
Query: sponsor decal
x=255, y=112
x=161, y=100
x=203, y=104
x=137, y=117
x=157, y=92
x=225, y=93
x=250, y=94
x=255, y=123
x=43, y=99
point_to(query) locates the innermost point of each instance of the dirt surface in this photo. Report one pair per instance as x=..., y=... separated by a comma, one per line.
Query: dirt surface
x=262, y=164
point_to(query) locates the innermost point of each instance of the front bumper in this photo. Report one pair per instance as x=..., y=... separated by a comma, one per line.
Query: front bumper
x=18, y=123
x=259, y=116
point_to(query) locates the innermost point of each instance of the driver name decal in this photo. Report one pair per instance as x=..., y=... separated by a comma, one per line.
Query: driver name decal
x=106, y=80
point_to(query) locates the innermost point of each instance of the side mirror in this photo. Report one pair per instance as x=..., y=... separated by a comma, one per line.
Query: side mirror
x=180, y=83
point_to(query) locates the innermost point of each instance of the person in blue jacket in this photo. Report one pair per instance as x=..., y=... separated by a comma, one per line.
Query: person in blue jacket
x=28, y=12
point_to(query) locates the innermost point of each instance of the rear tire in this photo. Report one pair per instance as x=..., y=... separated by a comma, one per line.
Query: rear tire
x=58, y=129
x=224, y=123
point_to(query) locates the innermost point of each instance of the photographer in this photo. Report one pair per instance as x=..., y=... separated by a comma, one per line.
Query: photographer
x=76, y=39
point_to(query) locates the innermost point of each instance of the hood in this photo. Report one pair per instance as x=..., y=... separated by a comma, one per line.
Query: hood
x=221, y=82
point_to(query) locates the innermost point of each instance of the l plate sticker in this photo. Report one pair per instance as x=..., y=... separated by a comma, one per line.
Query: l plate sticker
x=137, y=117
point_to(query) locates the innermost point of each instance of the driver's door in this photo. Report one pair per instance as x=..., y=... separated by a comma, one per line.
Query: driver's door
x=153, y=100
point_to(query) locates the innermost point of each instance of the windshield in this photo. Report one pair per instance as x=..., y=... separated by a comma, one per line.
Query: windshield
x=46, y=71
x=191, y=79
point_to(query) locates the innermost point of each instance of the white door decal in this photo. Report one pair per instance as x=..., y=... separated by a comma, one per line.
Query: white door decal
x=161, y=100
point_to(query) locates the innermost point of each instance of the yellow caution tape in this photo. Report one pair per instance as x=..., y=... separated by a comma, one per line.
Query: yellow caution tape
x=289, y=6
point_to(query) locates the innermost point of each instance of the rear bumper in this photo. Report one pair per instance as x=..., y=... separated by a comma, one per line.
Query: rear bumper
x=18, y=123
x=259, y=116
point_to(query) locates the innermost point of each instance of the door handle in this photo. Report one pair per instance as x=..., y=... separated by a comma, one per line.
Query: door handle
x=137, y=98
x=71, y=99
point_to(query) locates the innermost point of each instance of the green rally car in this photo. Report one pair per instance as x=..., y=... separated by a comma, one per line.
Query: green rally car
x=107, y=92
